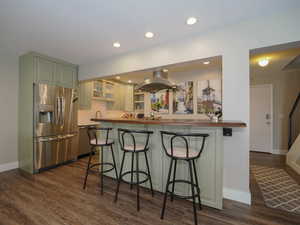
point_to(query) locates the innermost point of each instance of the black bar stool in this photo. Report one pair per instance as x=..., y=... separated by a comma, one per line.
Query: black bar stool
x=134, y=148
x=188, y=155
x=97, y=142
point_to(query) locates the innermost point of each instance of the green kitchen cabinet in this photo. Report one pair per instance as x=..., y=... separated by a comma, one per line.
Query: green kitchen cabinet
x=129, y=98
x=45, y=70
x=85, y=94
x=65, y=76
x=123, y=98
x=52, y=71
x=37, y=68
x=117, y=96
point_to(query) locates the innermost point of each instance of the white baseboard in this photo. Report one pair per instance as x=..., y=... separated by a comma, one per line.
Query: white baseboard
x=8, y=166
x=280, y=151
x=236, y=195
x=294, y=166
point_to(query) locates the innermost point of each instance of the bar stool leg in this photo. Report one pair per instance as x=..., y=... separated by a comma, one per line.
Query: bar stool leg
x=174, y=176
x=197, y=183
x=132, y=161
x=148, y=168
x=166, y=190
x=114, y=161
x=120, y=177
x=88, y=167
x=137, y=182
x=193, y=192
x=101, y=174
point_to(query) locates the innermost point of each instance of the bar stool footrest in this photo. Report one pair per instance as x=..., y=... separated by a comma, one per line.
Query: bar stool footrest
x=134, y=172
x=181, y=196
x=104, y=164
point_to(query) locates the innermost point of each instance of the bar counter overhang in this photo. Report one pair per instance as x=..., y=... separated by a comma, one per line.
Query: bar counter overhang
x=209, y=165
x=174, y=122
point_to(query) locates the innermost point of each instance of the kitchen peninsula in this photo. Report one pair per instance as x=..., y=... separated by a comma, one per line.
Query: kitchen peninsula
x=209, y=165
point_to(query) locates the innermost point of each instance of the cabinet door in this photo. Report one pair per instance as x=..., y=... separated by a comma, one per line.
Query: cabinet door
x=129, y=98
x=66, y=76
x=45, y=70
x=85, y=94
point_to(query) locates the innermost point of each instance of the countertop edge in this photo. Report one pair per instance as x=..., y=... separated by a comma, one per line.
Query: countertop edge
x=174, y=122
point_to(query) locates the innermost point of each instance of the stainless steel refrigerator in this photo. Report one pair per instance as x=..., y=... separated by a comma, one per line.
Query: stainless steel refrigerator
x=55, y=126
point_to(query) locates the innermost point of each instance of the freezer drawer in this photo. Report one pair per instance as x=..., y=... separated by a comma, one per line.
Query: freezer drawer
x=56, y=150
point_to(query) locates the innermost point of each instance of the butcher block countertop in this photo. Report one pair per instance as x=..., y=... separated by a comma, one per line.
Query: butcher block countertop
x=180, y=122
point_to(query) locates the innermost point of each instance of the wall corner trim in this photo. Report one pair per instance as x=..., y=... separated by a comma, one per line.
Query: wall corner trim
x=9, y=166
x=237, y=195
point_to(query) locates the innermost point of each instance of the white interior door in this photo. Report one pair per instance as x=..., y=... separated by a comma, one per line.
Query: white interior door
x=261, y=118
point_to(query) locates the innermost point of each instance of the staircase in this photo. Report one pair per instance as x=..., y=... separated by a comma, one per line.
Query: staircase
x=294, y=122
x=293, y=156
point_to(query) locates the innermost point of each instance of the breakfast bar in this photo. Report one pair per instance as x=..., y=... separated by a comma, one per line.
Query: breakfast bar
x=209, y=165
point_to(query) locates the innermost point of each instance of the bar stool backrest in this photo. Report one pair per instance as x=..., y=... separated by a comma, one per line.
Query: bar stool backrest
x=184, y=137
x=124, y=133
x=96, y=133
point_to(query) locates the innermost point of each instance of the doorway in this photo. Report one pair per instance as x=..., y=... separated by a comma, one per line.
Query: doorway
x=274, y=87
x=261, y=114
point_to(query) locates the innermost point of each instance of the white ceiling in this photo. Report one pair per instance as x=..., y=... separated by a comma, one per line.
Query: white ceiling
x=279, y=56
x=82, y=31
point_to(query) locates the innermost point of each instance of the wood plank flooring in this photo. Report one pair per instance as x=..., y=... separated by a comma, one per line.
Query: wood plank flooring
x=55, y=197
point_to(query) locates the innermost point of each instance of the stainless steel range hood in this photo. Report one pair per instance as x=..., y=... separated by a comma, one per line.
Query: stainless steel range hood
x=159, y=82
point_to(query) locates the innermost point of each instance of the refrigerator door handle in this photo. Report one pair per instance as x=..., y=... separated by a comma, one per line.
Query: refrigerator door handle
x=46, y=139
x=57, y=110
x=62, y=110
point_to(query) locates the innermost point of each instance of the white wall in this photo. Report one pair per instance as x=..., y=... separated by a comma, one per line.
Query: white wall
x=233, y=43
x=9, y=75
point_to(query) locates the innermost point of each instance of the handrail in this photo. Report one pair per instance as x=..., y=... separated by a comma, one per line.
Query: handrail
x=291, y=135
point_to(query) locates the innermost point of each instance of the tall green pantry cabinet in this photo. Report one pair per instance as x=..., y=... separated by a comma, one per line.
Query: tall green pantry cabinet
x=37, y=68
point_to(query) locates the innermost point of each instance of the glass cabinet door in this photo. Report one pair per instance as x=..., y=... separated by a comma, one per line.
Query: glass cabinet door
x=109, y=91
x=98, y=90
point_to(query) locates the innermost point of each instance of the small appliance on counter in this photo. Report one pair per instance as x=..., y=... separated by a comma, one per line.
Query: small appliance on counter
x=140, y=116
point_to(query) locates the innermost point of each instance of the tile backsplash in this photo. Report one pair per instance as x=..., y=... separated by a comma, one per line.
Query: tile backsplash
x=84, y=116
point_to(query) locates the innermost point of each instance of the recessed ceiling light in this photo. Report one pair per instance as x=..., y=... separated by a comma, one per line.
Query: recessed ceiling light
x=118, y=77
x=149, y=35
x=191, y=21
x=206, y=62
x=117, y=45
x=263, y=62
x=165, y=70
x=129, y=81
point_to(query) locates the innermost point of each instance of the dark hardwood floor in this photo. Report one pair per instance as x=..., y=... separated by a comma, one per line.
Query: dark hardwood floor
x=55, y=197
